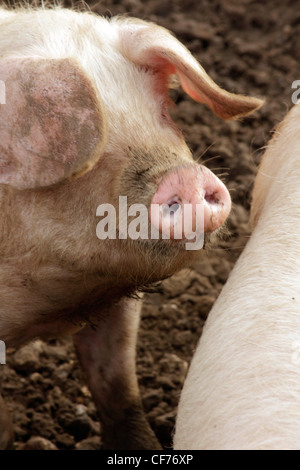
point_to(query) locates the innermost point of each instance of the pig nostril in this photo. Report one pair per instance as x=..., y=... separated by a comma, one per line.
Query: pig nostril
x=171, y=207
x=212, y=198
x=174, y=206
x=175, y=200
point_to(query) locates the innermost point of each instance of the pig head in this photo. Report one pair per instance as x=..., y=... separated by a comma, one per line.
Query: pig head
x=85, y=120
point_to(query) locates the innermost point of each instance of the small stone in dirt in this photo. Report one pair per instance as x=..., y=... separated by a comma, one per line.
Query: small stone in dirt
x=38, y=443
x=26, y=359
x=172, y=364
x=80, y=426
x=166, y=382
x=90, y=443
x=85, y=391
x=165, y=425
x=36, y=377
x=152, y=398
x=205, y=304
x=181, y=338
x=65, y=441
x=63, y=371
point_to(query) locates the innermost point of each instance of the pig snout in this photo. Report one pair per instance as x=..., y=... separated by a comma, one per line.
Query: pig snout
x=189, y=200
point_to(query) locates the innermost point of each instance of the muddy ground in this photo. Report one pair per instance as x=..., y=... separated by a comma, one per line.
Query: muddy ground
x=249, y=47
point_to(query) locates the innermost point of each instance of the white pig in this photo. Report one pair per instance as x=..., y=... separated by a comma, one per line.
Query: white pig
x=85, y=120
x=242, y=390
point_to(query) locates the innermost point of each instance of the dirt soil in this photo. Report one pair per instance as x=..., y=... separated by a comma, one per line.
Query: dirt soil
x=249, y=47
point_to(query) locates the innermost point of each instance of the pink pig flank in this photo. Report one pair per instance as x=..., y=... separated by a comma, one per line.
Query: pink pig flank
x=86, y=121
x=242, y=391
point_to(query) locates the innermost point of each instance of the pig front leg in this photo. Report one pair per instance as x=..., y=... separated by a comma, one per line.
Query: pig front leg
x=107, y=353
x=6, y=427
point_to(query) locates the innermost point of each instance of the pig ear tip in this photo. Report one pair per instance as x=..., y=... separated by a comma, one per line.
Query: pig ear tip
x=257, y=103
x=253, y=104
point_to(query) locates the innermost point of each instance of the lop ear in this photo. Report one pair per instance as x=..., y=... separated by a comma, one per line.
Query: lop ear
x=153, y=46
x=52, y=124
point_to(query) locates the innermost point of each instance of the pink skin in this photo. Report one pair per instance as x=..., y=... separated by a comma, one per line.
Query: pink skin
x=194, y=185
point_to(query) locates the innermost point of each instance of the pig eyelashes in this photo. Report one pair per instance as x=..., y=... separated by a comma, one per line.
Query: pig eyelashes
x=165, y=106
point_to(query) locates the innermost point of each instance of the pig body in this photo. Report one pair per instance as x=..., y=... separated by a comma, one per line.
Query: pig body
x=243, y=389
x=86, y=121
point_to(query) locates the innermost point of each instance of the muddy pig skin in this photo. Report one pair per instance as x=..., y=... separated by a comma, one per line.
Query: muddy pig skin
x=85, y=120
x=243, y=389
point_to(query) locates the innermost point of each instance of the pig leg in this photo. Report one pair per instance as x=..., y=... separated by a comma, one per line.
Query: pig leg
x=6, y=427
x=107, y=353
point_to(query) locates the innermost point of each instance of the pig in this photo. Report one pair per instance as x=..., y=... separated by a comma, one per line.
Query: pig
x=242, y=390
x=85, y=121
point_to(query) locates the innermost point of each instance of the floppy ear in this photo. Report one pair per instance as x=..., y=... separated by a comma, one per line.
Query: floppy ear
x=52, y=125
x=152, y=46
